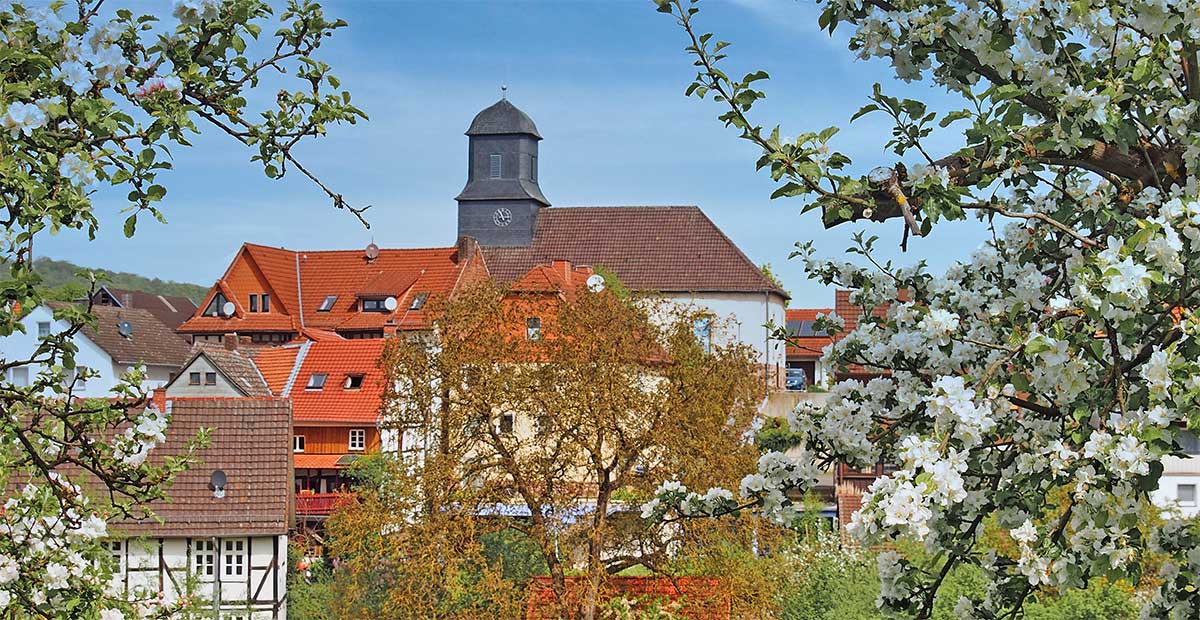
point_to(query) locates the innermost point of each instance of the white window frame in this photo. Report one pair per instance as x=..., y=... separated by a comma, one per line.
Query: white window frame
x=233, y=560
x=297, y=443
x=357, y=439
x=204, y=559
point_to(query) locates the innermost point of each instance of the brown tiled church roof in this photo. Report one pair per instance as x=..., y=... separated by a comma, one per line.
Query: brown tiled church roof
x=667, y=249
x=252, y=444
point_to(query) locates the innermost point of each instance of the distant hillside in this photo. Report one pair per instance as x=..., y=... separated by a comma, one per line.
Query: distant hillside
x=60, y=277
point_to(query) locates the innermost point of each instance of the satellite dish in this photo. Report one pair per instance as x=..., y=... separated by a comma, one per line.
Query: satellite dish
x=125, y=328
x=595, y=283
x=217, y=482
x=390, y=303
x=228, y=308
x=372, y=251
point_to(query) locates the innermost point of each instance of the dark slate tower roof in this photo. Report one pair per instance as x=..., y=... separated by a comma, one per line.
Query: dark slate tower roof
x=502, y=118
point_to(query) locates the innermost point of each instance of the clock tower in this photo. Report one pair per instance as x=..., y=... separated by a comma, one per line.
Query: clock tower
x=499, y=205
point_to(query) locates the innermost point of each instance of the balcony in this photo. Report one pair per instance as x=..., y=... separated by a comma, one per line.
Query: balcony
x=320, y=504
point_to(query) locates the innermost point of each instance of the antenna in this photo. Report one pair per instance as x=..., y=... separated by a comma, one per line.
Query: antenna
x=125, y=328
x=217, y=482
x=227, y=308
x=595, y=283
x=390, y=303
x=504, y=91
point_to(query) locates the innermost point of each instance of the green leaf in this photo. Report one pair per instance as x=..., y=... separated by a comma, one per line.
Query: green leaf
x=130, y=225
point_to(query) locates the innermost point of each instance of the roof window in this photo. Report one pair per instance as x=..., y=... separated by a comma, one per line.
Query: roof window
x=316, y=381
x=327, y=305
x=353, y=382
x=418, y=301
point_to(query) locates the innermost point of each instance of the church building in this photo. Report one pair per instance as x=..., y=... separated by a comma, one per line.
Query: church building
x=506, y=227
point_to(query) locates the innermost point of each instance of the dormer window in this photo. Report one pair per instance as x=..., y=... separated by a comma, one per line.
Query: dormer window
x=216, y=308
x=353, y=382
x=418, y=301
x=327, y=305
x=374, y=305
x=316, y=381
x=496, y=165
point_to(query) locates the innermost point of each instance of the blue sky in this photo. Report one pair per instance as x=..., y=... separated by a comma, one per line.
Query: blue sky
x=603, y=81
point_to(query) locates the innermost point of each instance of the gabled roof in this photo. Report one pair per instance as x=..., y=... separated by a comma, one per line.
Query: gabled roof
x=799, y=347
x=303, y=280
x=334, y=402
x=172, y=310
x=234, y=365
x=149, y=342
x=252, y=444
x=558, y=277
x=660, y=249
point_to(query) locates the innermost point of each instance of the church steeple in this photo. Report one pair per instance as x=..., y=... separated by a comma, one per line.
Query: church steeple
x=500, y=203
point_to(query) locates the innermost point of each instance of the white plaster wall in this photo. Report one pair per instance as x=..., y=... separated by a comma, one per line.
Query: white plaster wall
x=742, y=317
x=202, y=365
x=19, y=346
x=1167, y=494
x=259, y=552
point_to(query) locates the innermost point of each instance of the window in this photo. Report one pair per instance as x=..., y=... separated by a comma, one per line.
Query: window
x=43, y=329
x=254, y=303
x=116, y=551
x=193, y=378
x=266, y=302
x=316, y=381
x=216, y=308
x=373, y=305
x=496, y=165
x=533, y=167
x=327, y=305
x=1187, y=494
x=19, y=376
x=353, y=382
x=418, y=301
x=506, y=423
x=1189, y=443
x=702, y=328
x=204, y=558
x=271, y=337
x=533, y=328
x=358, y=439
x=298, y=443
x=210, y=378
x=235, y=558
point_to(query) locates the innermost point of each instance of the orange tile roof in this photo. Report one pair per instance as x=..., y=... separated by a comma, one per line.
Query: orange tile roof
x=558, y=276
x=317, y=461
x=275, y=365
x=806, y=348
x=299, y=282
x=334, y=402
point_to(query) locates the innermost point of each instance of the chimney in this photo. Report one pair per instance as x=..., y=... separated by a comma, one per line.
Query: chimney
x=563, y=268
x=230, y=341
x=127, y=300
x=466, y=249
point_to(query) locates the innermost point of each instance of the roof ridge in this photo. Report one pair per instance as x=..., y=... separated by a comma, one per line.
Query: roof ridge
x=291, y=380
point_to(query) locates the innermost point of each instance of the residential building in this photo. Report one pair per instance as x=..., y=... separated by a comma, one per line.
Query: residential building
x=222, y=536
x=217, y=371
x=1180, y=479
x=674, y=251
x=275, y=295
x=805, y=346
x=172, y=310
x=120, y=340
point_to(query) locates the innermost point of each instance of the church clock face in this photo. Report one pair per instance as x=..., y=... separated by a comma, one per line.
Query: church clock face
x=502, y=217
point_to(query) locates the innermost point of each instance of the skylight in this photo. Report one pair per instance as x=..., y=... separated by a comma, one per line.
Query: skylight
x=418, y=301
x=327, y=305
x=316, y=381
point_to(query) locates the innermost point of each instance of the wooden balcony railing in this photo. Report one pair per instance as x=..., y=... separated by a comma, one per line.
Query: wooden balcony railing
x=320, y=504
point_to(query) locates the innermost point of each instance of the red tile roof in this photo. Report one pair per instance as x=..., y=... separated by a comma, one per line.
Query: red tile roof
x=252, y=444
x=702, y=598
x=558, y=277
x=333, y=403
x=300, y=281
x=809, y=347
x=670, y=249
x=275, y=365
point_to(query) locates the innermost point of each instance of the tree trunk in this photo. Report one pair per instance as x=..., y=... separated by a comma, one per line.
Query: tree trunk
x=595, y=568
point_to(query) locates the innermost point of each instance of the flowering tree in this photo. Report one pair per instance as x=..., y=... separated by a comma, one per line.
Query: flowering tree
x=1058, y=360
x=91, y=100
